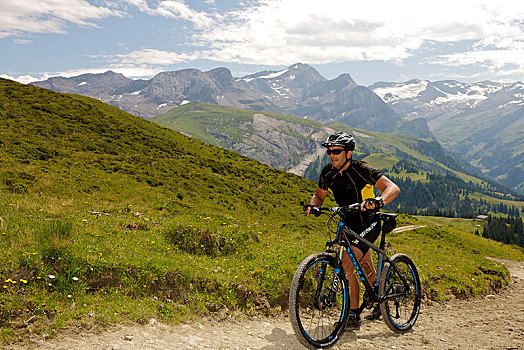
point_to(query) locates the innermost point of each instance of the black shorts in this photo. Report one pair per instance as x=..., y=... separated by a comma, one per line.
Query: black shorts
x=369, y=230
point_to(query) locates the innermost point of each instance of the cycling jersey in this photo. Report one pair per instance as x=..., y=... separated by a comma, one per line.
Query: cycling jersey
x=353, y=185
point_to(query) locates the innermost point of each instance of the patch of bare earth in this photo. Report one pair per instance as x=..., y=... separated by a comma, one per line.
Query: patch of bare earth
x=490, y=322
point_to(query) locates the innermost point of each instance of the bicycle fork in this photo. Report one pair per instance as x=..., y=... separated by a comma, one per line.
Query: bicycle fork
x=331, y=298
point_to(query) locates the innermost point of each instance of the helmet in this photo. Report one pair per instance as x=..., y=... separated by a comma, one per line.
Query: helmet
x=340, y=138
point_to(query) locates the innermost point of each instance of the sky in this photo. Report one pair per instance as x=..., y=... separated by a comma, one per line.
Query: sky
x=393, y=41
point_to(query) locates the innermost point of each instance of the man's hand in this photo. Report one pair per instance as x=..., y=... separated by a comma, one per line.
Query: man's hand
x=311, y=209
x=307, y=210
x=372, y=203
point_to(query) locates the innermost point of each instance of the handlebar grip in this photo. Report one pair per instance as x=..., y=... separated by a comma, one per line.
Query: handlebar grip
x=314, y=210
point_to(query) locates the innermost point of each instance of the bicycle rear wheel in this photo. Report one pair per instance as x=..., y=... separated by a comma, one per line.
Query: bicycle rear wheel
x=318, y=319
x=401, y=306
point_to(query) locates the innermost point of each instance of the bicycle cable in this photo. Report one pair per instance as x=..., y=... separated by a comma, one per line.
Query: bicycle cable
x=329, y=224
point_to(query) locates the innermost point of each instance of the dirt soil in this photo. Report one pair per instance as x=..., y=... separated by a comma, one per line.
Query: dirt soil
x=490, y=322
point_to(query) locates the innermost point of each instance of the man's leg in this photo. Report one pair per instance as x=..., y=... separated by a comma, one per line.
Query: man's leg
x=369, y=268
x=354, y=288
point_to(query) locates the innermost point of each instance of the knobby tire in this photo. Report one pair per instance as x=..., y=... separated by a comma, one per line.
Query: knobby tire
x=318, y=322
x=400, y=313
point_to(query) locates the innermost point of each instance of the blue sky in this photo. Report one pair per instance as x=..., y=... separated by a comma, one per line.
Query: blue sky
x=371, y=40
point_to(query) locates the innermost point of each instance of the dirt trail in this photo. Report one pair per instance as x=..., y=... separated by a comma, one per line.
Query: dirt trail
x=491, y=322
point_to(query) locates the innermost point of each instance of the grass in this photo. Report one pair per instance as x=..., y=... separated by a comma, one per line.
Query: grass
x=109, y=218
x=381, y=161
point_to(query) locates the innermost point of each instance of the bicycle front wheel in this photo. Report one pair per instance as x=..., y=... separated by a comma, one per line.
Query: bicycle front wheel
x=319, y=301
x=401, y=304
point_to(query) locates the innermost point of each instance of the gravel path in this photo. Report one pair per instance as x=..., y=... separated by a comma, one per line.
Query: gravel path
x=491, y=322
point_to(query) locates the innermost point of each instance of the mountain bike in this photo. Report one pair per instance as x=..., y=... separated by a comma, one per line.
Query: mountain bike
x=319, y=298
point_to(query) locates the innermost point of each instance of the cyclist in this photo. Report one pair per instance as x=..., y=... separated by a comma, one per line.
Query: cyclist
x=351, y=181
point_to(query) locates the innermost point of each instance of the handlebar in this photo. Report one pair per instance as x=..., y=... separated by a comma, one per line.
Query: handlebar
x=346, y=209
x=341, y=211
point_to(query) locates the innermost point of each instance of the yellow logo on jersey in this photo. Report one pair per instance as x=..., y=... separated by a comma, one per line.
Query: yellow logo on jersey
x=367, y=192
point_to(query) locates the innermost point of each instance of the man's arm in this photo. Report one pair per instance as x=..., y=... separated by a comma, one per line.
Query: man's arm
x=389, y=189
x=317, y=199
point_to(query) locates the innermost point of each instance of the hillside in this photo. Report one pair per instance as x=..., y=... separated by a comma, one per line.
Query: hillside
x=293, y=144
x=106, y=217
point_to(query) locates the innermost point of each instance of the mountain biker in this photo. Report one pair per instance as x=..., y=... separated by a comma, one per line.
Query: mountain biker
x=351, y=181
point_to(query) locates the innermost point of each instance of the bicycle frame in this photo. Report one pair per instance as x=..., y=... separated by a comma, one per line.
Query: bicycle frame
x=342, y=238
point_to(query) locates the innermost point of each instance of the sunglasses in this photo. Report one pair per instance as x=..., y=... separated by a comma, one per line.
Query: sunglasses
x=335, y=151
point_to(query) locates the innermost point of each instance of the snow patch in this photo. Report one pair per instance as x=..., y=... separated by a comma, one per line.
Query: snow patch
x=82, y=83
x=136, y=92
x=161, y=105
x=269, y=76
x=185, y=102
x=401, y=91
x=460, y=97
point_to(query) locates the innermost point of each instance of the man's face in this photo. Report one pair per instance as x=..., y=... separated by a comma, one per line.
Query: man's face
x=338, y=160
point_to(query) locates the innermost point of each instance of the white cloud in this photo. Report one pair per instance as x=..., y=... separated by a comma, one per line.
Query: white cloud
x=137, y=64
x=177, y=9
x=48, y=16
x=277, y=32
x=24, y=79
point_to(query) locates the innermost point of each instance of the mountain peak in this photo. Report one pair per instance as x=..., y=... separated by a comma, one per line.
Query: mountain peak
x=345, y=78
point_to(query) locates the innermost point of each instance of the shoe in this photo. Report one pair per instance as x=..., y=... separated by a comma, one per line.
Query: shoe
x=353, y=321
x=375, y=314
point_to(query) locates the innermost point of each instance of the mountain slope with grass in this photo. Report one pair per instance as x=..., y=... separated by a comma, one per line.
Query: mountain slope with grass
x=106, y=217
x=434, y=181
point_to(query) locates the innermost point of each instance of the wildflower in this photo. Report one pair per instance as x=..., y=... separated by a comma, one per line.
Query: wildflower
x=52, y=276
x=75, y=278
x=23, y=281
x=84, y=220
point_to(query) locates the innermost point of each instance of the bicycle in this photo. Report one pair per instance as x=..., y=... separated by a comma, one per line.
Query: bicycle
x=319, y=299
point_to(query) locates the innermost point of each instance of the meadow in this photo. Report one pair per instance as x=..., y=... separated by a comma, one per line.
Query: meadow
x=107, y=218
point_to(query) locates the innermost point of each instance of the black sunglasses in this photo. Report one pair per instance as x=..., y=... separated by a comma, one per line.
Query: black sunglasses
x=335, y=151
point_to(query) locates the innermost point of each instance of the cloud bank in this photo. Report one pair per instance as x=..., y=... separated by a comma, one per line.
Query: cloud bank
x=489, y=34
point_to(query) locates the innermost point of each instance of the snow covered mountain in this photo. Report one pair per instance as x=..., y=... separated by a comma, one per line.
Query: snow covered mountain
x=484, y=121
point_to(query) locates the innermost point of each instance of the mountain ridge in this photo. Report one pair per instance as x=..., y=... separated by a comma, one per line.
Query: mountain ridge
x=297, y=90
x=483, y=122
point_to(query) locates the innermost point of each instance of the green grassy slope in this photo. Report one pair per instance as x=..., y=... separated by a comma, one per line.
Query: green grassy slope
x=106, y=217
x=404, y=158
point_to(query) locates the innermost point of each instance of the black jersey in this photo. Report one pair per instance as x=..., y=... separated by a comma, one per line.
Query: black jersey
x=353, y=185
x=348, y=186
